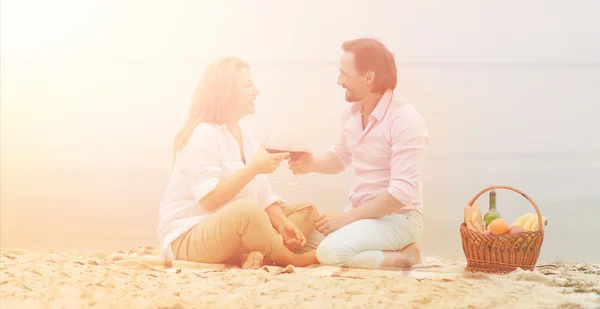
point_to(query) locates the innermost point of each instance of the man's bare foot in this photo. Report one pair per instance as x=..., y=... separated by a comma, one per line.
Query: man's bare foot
x=413, y=255
x=252, y=260
x=405, y=258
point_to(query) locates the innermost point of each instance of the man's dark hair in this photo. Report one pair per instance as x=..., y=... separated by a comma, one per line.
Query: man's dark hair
x=371, y=55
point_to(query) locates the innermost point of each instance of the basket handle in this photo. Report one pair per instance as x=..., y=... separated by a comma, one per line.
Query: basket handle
x=537, y=210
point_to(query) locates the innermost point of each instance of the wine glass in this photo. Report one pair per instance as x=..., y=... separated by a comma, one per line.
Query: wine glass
x=275, y=143
x=296, y=153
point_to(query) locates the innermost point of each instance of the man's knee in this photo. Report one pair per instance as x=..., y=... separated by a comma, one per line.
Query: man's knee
x=334, y=253
x=308, y=211
x=311, y=213
x=311, y=209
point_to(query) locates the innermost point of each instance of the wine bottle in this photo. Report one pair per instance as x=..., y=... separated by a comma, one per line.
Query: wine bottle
x=492, y=214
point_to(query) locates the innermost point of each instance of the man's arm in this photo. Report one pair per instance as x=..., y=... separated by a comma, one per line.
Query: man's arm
x=409, y=140
x=335, y=160
x=329, y=164
x=382, y=205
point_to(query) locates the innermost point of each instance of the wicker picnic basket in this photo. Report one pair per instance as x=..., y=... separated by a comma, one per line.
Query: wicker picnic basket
x=501, y=254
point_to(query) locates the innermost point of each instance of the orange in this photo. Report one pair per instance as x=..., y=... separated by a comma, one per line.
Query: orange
x=499, y=226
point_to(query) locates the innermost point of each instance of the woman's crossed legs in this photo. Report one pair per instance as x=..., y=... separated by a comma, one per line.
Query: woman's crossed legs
x=241, y=233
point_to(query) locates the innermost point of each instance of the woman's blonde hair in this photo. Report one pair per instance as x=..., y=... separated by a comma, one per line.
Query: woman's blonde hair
x=213, y=99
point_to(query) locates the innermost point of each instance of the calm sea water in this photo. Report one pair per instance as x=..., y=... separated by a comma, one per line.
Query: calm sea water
x=116, y=208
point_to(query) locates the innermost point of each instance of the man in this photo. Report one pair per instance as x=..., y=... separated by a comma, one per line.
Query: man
x=383, y=138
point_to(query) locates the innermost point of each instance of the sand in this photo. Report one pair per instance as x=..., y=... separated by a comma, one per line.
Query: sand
x=136, y=279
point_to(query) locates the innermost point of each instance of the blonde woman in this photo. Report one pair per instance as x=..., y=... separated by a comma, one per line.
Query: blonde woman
x=218, y=208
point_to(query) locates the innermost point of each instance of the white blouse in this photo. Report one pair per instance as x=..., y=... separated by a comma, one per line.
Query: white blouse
x=210, y=154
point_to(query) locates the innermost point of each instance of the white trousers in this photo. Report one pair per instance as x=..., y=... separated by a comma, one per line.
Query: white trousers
x=361, y=243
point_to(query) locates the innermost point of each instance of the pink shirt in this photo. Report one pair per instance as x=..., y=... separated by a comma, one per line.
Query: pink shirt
x=387, y=154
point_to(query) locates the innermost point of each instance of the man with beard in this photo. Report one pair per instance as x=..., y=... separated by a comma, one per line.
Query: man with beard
x=383, y=138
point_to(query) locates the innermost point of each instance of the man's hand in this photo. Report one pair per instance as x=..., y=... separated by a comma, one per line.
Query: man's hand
x=303, y=164
x=333, y=221
x=291, y=234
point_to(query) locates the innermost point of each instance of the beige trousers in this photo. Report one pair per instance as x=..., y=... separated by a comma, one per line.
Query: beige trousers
x=241, y=227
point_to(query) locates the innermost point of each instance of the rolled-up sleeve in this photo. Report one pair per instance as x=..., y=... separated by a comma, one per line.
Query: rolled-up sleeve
x=200, y=158
x=409, y=138
x=339, y=148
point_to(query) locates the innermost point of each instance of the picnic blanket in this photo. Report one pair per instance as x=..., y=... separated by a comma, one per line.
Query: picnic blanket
x=148, y=258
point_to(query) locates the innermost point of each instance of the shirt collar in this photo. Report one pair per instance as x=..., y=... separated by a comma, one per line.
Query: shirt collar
x=381, y=108
x=382, y=105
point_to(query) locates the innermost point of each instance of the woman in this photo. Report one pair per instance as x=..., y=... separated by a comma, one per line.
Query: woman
x=218, y=208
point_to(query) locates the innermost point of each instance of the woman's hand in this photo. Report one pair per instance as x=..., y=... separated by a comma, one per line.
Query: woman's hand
x=291, y=234
x=267, y=163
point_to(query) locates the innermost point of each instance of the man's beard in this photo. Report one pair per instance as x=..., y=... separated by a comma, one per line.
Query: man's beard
x=350, y=96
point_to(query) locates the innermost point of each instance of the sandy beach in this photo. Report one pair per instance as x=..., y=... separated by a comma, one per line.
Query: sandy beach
x=136, y=279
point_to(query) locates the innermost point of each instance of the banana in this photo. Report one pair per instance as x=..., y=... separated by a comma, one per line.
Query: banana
x=527, y=225
x=520, y=221
x=532, y=224
x=535, y=226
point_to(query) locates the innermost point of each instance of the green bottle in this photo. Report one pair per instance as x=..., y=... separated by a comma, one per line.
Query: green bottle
x=492, y=214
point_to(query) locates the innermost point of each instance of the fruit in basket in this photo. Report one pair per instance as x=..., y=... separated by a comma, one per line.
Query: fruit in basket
x=532, y=224
x=520, y=221
x=499, y=226
x=502, y=253
x=492, y=214
x=516, y=229
x=535, y=226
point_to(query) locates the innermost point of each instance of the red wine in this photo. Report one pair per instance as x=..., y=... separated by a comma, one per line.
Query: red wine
x=294, y=155
x=271, y=150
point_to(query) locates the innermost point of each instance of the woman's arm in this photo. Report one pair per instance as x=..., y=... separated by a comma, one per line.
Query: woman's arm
x=201, y=159
x=228, y=188
x=291, y=234
x=276, y=215
x=273, y=204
